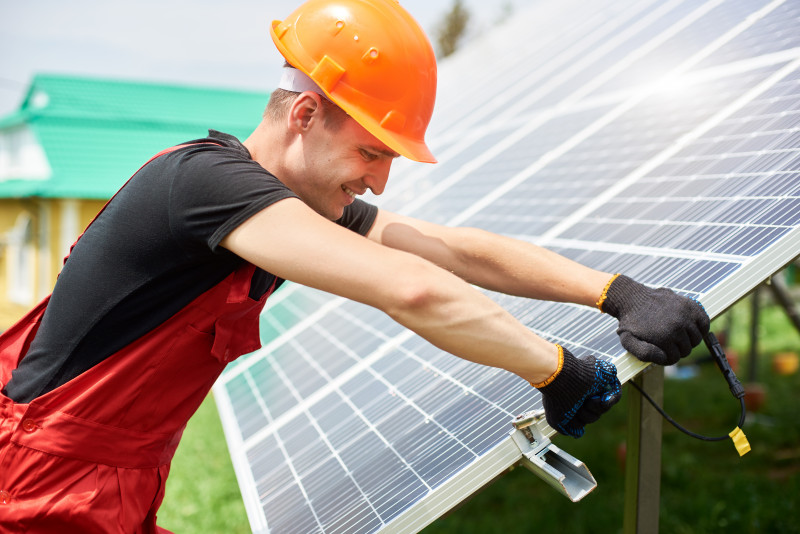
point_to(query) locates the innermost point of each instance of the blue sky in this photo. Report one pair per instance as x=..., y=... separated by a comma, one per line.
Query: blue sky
x=183, y=41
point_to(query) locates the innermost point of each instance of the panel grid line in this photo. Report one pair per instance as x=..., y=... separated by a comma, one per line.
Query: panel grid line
x=565, y=72
x=670, y=151
x=303, y=405
x=263, y=406
x=626, y=248
x=279, y=371
x=540, y=118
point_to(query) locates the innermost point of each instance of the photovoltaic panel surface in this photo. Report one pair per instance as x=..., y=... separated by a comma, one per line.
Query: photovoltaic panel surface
x=656, y=138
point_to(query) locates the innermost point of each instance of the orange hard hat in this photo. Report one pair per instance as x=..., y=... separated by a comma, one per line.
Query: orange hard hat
x=373, y=60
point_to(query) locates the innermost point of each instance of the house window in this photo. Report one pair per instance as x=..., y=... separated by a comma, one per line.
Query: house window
x=21, y=255
x=21, y=156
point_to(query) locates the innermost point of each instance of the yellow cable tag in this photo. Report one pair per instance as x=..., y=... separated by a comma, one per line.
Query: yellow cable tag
x=740, y=441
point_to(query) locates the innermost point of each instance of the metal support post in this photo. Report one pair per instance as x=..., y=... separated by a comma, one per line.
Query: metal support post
x=752, y=364
x=782, y=297
x=643, y=456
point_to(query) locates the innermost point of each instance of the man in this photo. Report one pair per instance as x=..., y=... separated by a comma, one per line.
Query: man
x=165, y=286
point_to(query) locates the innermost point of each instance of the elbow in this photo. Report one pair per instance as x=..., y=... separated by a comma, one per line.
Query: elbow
x=415, y=296
x=423, y=289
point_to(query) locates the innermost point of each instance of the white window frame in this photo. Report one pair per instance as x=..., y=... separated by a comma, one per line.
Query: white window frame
x=21, y=260
x=21, y=155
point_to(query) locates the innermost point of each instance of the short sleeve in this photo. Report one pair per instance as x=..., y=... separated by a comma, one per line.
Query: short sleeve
x=358, y=217
x=215, y=190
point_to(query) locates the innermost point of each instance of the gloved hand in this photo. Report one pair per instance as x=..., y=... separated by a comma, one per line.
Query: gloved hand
x=579, y=392
x=655, y=325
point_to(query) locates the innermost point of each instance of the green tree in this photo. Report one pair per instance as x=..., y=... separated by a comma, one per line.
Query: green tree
x=451, y=29
x=506, y=11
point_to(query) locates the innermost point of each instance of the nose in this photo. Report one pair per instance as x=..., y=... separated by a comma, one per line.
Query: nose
x=376, y=180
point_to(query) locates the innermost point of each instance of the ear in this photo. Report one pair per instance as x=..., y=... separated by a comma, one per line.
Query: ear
x=304, y=112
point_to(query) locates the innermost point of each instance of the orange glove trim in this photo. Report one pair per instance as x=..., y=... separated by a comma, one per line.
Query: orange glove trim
x=603, y=295
x=558, y=369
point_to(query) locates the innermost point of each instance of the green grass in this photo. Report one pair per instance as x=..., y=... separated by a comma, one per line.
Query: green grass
x=705, y=486
x=202, y=493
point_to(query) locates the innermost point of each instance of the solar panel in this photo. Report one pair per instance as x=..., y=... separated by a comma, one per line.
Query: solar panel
x=660, y=139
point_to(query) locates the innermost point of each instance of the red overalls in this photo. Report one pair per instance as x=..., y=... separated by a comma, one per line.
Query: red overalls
x=92, y=456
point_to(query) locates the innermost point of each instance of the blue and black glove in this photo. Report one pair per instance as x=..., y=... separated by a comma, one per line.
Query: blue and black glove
x=655, y=325
x=579, y=392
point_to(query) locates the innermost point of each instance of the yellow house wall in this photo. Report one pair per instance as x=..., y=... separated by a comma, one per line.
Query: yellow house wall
x=87, y=209
x=10, y=209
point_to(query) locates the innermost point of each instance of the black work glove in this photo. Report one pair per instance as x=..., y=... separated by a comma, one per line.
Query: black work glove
x=655, y=325
x=579, y=393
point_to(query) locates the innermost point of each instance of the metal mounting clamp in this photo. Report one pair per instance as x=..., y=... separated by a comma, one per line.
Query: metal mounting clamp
x=560, y=470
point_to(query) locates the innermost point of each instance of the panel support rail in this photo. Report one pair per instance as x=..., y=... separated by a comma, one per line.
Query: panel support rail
x=560, y=470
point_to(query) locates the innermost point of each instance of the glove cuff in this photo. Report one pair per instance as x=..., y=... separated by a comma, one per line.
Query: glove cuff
x=570, y=376
x=557, y=371
x=604, y=294
x=621, y=293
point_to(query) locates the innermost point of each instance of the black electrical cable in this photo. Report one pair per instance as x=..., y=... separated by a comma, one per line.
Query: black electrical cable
x=735, y=386
x=681, y=428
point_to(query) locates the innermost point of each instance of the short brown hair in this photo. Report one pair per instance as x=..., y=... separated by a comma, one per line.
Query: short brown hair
x=281, y=100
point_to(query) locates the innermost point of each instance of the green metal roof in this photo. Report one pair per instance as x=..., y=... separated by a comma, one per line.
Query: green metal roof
x=96, y=133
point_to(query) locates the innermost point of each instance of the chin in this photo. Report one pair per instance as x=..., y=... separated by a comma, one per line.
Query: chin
x=332, y=214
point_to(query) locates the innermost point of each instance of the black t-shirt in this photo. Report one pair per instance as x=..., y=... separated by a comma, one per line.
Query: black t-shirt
x=154, y=249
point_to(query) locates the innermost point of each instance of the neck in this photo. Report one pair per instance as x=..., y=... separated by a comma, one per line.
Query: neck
x=267, y=146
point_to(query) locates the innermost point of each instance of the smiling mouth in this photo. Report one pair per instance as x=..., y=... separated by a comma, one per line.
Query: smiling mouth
x=348, y=191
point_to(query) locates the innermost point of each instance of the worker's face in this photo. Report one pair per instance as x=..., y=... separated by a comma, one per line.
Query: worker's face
x=339, y=164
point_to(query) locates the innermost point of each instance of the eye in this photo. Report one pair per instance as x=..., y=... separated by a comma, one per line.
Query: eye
x=367, y=155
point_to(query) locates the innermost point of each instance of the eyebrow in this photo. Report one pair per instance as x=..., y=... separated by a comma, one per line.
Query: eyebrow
x=383, y=151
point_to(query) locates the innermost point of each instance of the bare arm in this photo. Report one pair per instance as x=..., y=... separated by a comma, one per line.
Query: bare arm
x=492, y=261
x=432, y=302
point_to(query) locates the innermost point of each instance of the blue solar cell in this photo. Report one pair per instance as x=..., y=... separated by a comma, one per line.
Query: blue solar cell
x=289, y=512
x=698, y=29
x=749, y=241
x=273, y=483
x=274, y=391
x=775, y=32
x=249, y=417
x=265, y=458
x=380, y=474
x=348, y=430
x=346, y=510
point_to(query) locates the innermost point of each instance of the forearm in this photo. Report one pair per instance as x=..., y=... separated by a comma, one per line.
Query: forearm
x=460, y=320
x=493, y=261
x=519, y=268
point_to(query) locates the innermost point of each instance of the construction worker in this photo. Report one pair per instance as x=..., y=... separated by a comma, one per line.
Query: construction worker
x=165, y=287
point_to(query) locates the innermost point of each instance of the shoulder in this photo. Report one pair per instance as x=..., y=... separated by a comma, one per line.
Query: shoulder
x=208, y=152
x=212, y=185
x=217, y=164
